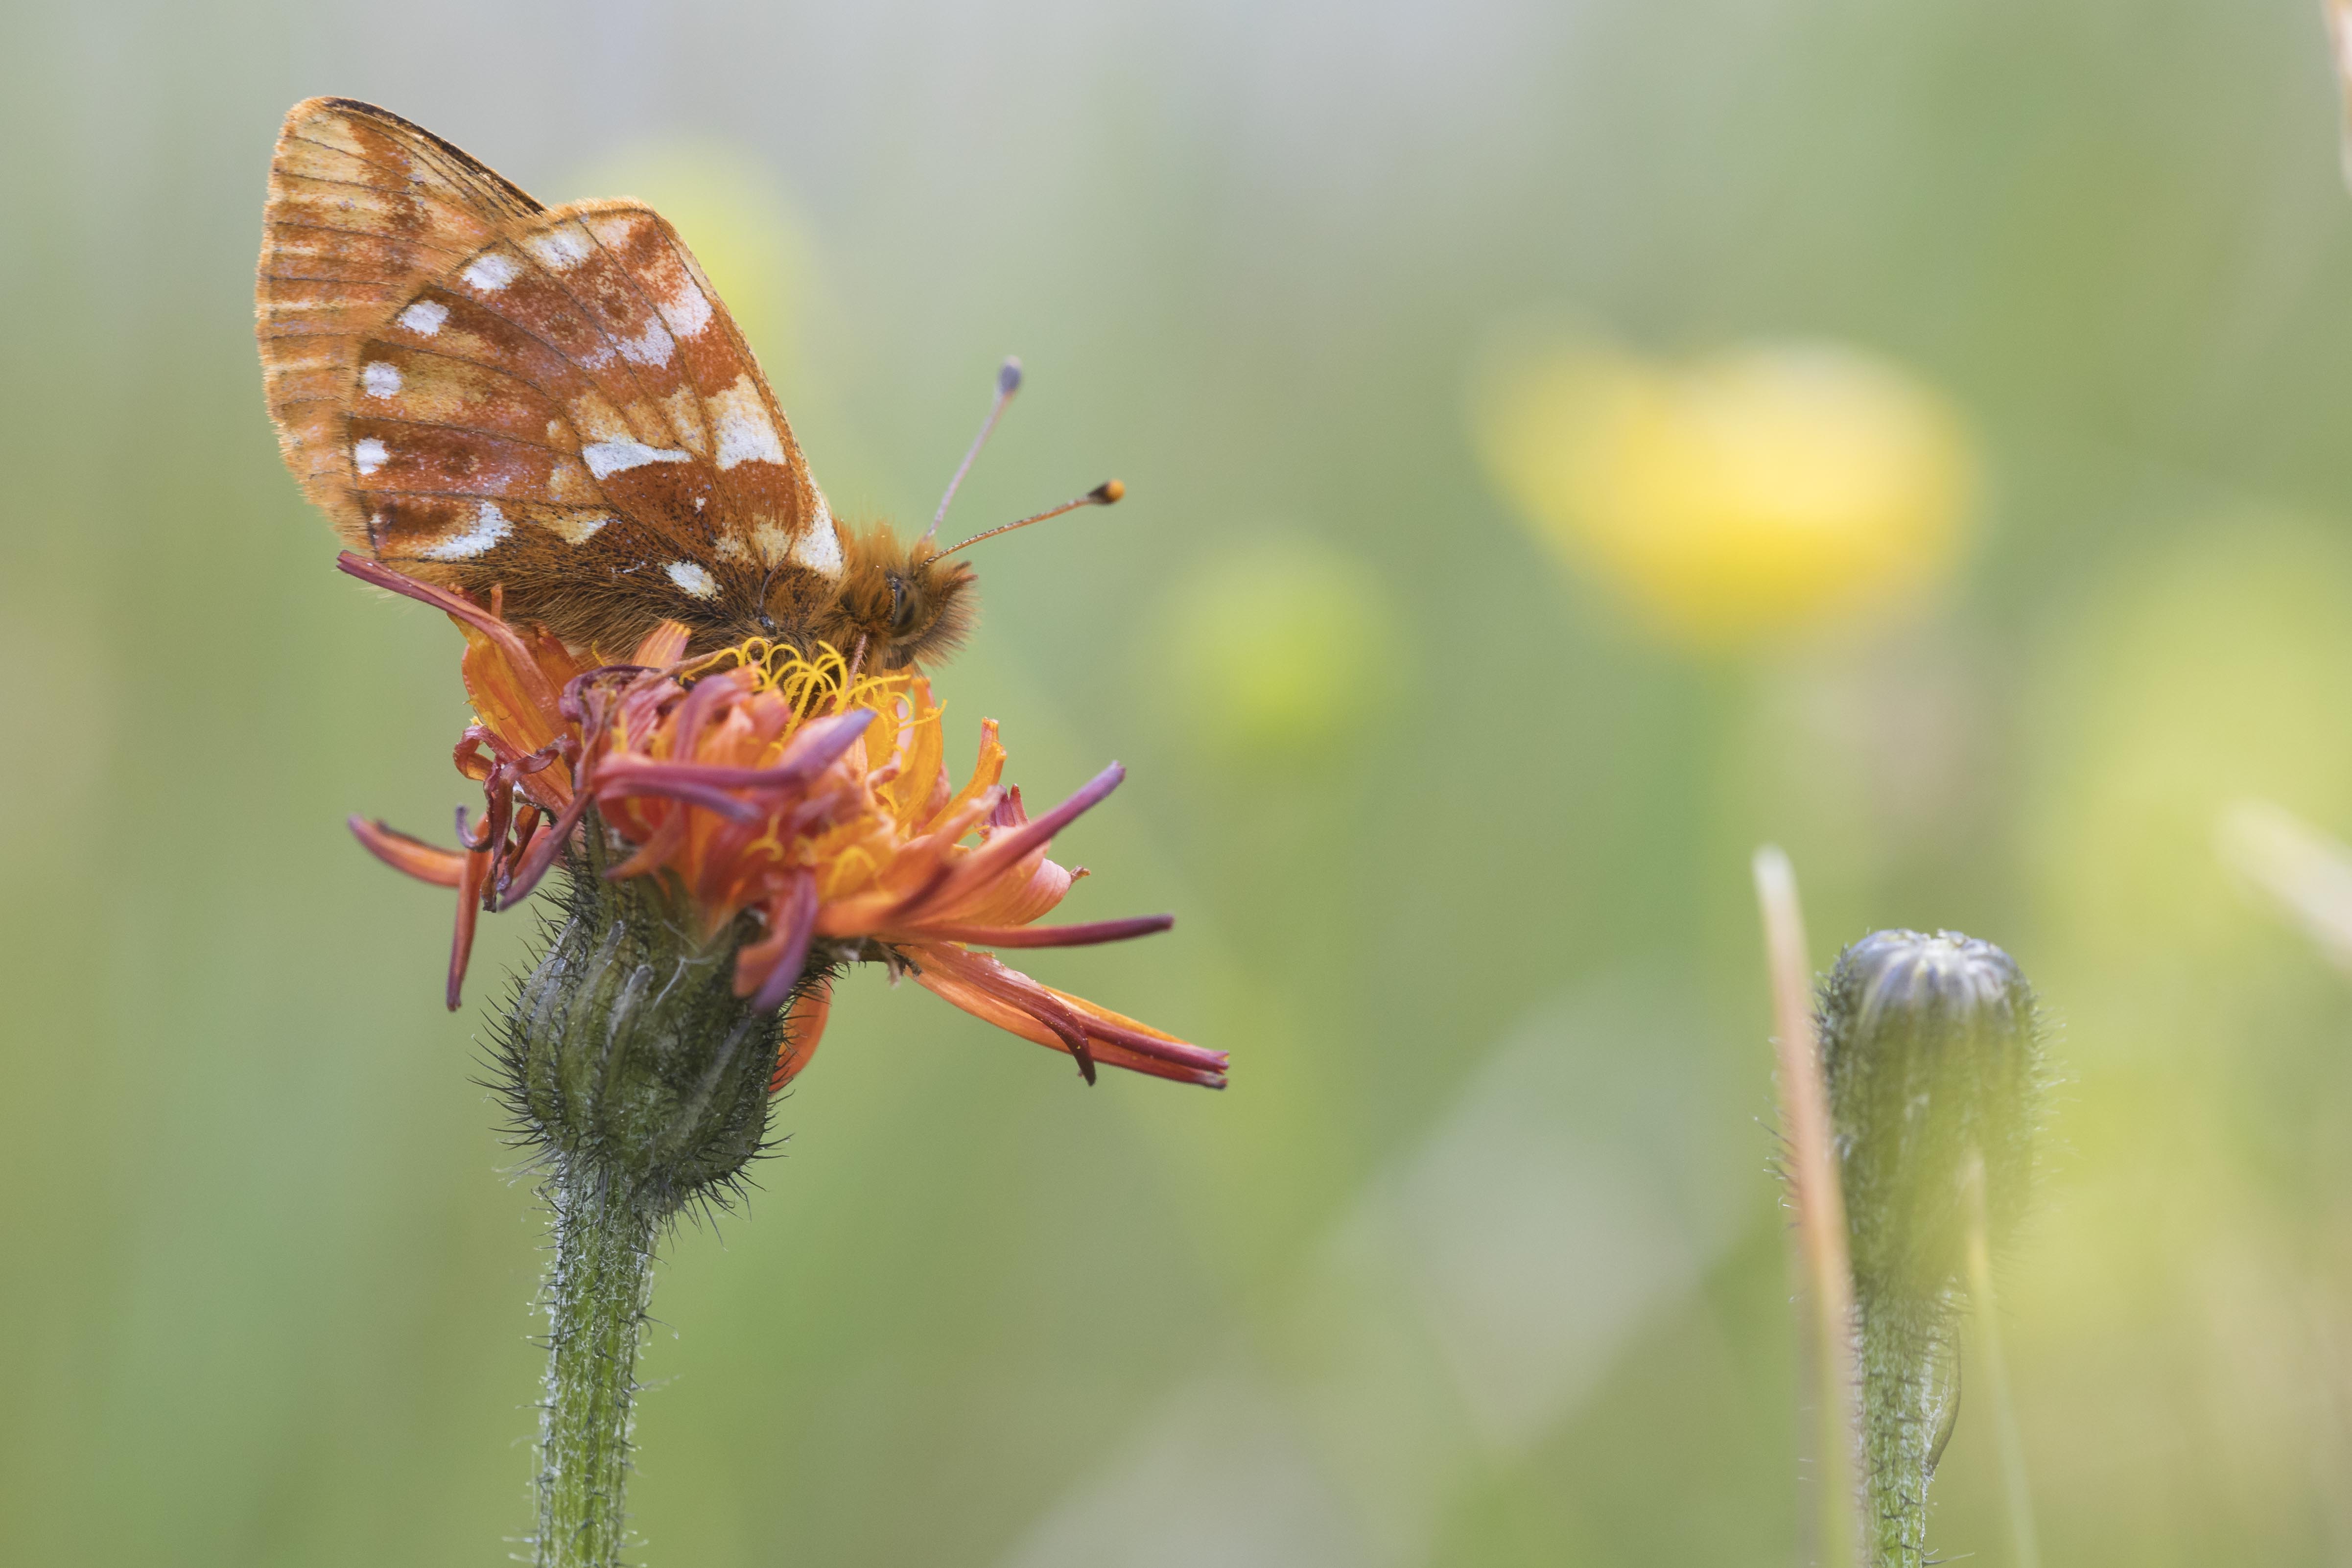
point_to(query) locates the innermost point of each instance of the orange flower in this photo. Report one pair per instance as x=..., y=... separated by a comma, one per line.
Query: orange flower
x=755, y=780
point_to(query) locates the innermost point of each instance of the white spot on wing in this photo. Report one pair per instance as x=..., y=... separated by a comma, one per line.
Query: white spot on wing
x=490, y=271
x=692, y=579
x=379, y=377
x=606, y=457
x=746, y=435
x=819, y=549
x=684, y=307
x=575, y=527
x=658, y=269
x=560, y=249
x=727, y=547
x=425, y=317
x=650, y=347
x=490, y=525
x=368, y=454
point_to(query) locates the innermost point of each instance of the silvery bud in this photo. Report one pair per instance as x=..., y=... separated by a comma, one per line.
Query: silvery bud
x=1932, y=1054
x=1933, y=1060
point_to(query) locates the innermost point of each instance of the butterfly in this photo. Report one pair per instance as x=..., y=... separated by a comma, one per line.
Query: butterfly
x=553, y=404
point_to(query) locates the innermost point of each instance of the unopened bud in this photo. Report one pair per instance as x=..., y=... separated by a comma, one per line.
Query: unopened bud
x=627, y=1050
x=1933, y=1057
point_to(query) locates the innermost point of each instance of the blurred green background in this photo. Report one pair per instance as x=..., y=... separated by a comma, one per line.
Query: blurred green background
x=1479, y=1262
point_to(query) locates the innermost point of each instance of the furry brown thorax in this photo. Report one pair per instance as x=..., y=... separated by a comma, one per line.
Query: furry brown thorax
x=901, y=603
x=905, y=603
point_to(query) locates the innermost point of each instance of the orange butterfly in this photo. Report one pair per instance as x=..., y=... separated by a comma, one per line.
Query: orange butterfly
x=483, y=392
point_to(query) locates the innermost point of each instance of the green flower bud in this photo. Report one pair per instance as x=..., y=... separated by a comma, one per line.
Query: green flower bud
x=1933, y=1060
x=1933, y=1056
x=629, y=1057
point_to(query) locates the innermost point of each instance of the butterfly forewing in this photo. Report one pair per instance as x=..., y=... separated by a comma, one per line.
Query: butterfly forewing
x=482, y=391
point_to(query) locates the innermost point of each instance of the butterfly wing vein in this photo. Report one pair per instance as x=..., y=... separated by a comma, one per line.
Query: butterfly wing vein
x=476, y=389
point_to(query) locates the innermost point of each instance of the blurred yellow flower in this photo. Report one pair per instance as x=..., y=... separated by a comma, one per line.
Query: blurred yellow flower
x=1764, y=490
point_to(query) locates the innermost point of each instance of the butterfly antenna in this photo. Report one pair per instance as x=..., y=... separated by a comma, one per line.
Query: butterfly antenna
x=1008, y=382
x=1105, y=494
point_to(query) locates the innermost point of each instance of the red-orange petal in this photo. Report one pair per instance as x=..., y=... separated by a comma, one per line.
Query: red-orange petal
x=1006, y=850
x=804, y=1028
x=426, y=862
x=663, y=646
x=533, y=681
x=1086, y=934
x=1010, y=1000
x=469, y=909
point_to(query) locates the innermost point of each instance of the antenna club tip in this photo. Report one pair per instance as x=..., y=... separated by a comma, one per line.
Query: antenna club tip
x=1008, y=376
x=1108, y=493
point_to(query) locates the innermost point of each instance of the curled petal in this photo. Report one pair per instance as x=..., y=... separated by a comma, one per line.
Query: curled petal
x=1002, y=852
x=441, y=599
x=1025, y=894
x=1079, y=936
x=654, y=852
x=470, y=882
x=817, y=746
x=773, y=962
x=518, y=697
x=664, y=645
x=918, y=870
x=574, y=704
x=804, y=1028
x=531, y=683
x=704, y=699
x=426, y=862
x=540, y=854
x=1011, y=1000
x=625, y=778
x=986, y=773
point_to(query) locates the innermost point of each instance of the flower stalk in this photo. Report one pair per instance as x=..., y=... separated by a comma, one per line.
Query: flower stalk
x=596, y=1296
x=642, y=1078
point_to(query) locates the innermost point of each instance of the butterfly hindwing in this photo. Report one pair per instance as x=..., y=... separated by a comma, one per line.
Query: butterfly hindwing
x=478, y=390
x=363, y=207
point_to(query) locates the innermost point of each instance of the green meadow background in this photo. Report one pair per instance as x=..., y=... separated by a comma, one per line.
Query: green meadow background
x=1479, y=1262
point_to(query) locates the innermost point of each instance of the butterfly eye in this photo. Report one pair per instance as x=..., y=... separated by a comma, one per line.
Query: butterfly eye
x=902, y=608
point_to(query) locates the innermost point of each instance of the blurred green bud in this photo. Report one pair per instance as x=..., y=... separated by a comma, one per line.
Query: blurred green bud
x=628, y=1055
x=1933, y=1056
x=1277, y=650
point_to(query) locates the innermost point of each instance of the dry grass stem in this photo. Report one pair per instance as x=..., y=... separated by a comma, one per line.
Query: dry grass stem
x=1820, y=1210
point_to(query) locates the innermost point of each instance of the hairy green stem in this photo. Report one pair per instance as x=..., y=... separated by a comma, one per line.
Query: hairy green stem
x=596, y=1297
x=1910, y=1393
x=642, y=1078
